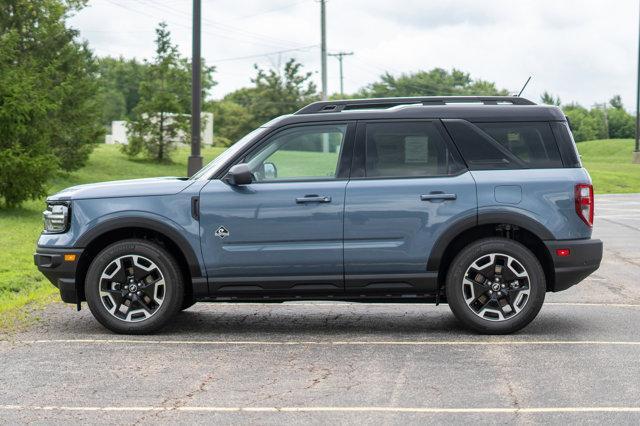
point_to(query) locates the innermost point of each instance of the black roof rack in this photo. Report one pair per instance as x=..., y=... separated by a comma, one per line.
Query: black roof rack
x=381, y=103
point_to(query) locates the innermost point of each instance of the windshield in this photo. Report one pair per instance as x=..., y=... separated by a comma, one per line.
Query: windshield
x=228, y=153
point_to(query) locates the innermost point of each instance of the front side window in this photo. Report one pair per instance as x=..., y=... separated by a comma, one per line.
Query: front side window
x=300, y=153
x=408, y=149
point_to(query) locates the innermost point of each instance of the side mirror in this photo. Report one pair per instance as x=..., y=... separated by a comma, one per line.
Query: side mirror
x=270, y=170
x=240, y=174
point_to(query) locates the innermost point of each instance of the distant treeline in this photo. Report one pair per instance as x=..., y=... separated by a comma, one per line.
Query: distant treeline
x=276, y=92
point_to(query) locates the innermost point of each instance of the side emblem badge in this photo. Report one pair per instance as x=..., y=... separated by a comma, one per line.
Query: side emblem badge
x=221, y=232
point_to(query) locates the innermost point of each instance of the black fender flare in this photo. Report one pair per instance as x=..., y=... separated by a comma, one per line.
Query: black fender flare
x=484, y=218
x=154, y=225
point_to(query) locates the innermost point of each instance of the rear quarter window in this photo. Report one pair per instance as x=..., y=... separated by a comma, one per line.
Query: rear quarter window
x=532, y=143
x=506, y=145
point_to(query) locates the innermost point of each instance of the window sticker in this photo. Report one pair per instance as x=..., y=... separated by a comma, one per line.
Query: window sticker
x=416, y=149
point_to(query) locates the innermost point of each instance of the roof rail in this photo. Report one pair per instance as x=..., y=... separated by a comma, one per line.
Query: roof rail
x=381, y=103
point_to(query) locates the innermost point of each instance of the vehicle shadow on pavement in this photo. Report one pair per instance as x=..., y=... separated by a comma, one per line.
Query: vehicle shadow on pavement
x=420, y=323
x=312, y=322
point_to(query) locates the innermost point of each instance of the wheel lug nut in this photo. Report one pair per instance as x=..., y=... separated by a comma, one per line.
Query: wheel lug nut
x=139, y=293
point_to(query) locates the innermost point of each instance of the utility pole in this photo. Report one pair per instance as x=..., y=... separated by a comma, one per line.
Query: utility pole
x=605, y=116
x=195, y=160
x=636, y=153
x=340, y=56
x=323, y=47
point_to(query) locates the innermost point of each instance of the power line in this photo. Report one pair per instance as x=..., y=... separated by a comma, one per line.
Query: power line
x=237, y=58
x=219, y=35
x=340, y=56
x=258, y=37
x=253, y=15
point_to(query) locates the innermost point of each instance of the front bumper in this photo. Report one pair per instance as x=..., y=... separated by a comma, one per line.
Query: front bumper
x=62, y=273
x=584, y=258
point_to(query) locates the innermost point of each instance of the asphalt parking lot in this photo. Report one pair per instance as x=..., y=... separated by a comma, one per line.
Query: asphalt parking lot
x=578, y=362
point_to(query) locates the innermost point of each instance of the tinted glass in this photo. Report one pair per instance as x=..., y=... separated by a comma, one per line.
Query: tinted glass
x=500, y=146
x=306, y=152
x=566, y=144
x=408, y=149
x=532, y=143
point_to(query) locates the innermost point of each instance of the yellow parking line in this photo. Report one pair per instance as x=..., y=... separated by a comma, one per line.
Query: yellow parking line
x=360, y=409
x=479, y=342
x=612, y=305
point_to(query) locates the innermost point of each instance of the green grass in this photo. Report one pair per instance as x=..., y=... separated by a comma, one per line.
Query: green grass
x=307, y=164
x=608, y=162
x=20, y=281
x=610, y=167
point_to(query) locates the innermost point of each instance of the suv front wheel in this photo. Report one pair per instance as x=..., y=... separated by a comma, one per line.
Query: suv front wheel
x=495, y=286
x=134, y=287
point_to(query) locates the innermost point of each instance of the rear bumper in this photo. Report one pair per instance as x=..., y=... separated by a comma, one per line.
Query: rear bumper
x=584, y=258
x=61, y=273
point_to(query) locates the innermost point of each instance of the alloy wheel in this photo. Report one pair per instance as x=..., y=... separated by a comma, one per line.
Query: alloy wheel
x=132, y=288
x=496, y=287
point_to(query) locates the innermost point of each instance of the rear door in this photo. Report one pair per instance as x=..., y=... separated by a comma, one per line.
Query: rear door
x=407, y=185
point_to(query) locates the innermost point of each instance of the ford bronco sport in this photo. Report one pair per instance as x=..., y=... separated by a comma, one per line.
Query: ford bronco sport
x=479, y=202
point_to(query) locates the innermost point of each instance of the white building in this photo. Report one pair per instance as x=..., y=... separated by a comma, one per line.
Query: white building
x=119, y=132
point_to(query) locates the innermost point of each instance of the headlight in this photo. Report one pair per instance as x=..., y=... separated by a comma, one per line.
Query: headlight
x=56, y=218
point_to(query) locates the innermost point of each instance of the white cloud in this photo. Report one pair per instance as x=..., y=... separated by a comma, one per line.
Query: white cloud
x=584, y=51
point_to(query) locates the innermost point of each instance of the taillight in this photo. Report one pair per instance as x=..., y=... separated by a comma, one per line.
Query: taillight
x=584, y=203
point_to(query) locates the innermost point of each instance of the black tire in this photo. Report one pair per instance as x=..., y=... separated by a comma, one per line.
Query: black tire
x=172, y=289
x=492, y=322
x=187, y=303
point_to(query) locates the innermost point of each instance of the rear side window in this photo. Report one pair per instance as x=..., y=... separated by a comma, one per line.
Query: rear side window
x=408, y=149
x=532, y=143
x=496, y=146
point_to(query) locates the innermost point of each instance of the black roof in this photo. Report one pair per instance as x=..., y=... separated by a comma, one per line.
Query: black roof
x=472, y=108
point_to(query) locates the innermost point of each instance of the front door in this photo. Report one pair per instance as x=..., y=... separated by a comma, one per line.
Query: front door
x=408, y=184
x=284, y=231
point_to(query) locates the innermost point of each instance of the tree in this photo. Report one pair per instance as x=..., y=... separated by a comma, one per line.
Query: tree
x=622, y=125
x=119, y=80
x=436, y=82
x=232, y=121
x=598, y=123
x=585, y=125
x=549, y=99
x=616, y=102
x=273, y=93
x=113, y=105
x=161, y=116
x=49, y=116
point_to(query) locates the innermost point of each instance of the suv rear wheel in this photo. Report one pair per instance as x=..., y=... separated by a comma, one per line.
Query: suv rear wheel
x=134, y=287
x=495, y=286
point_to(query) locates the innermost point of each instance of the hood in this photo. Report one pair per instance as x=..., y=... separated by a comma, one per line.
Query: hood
x=124, y=188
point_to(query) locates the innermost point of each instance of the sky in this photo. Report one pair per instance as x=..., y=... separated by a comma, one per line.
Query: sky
x=583, y=51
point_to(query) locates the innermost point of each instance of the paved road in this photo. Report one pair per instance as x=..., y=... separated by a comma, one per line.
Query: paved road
x=346, y=363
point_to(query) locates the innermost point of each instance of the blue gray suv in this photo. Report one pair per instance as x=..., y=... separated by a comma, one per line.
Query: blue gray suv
x=479, y=202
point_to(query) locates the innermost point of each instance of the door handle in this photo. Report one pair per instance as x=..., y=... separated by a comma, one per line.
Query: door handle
x=437, y=196
x=313, y=199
